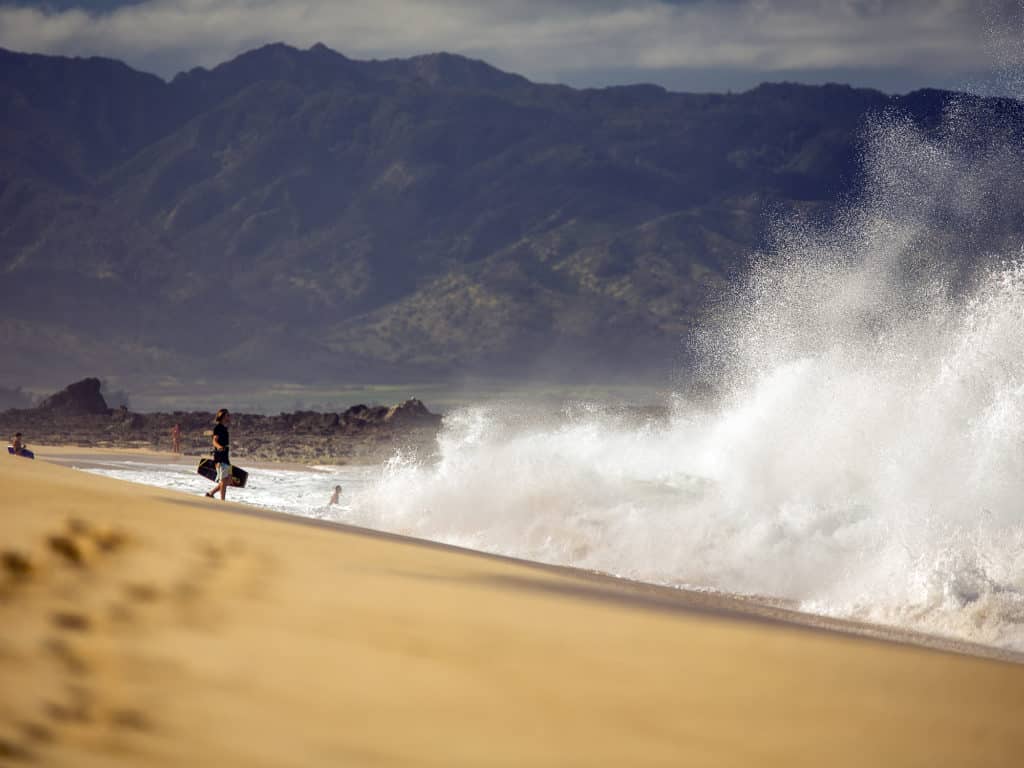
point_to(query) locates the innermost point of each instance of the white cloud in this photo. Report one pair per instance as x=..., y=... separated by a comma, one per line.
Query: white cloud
x=532, y=37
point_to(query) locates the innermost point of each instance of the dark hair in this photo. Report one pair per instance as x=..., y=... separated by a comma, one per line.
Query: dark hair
x=220, y=415
x=17, y=434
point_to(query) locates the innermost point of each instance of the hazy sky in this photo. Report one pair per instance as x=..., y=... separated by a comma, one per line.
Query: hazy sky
x=687, y=45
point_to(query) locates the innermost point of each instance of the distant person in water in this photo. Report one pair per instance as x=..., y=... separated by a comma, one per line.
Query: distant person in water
x=176, y=438
x=17, y=444
x=221, y=453
x=336, y=495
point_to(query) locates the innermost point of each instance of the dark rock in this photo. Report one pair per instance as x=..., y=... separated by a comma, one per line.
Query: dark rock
x=411, y=410
x=363, y=433
x=362, y=415
x=78, y=398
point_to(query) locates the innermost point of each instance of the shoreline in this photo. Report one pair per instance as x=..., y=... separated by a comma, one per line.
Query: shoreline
x=94, y=455
x=602, y=585
x=148, y=628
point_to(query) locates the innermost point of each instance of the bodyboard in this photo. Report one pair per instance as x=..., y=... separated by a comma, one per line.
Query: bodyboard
x=208, y=469
x=25, y=453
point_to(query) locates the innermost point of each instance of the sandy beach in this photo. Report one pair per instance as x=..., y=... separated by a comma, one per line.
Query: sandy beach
x=148, y=628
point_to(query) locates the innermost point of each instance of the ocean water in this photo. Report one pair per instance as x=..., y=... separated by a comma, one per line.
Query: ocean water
x=305, y=492
x=862, y=455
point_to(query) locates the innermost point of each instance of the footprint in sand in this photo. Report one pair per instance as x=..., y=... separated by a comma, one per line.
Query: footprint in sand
x=12, y=750
x=80, y=545
x=142, y=593
x=17, y=565
x=36, y=732
x=69, y=655
x=81, y=542
x=77, y=622
x=77, y=707
x=200, y=596
x=131, y=719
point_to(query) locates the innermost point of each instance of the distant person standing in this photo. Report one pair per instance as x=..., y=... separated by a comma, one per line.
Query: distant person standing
x=221, y=453
x=336, y=495
x=176, y=438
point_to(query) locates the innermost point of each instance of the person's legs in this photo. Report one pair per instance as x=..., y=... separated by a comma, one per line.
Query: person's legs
x=224, y=479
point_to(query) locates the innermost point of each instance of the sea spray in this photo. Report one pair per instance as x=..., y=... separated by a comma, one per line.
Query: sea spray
x=866, y=456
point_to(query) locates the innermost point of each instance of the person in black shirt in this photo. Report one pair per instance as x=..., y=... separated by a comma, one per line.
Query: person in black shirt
x=221, y=453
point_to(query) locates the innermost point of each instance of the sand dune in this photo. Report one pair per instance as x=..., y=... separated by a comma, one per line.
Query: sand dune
x=148, y=628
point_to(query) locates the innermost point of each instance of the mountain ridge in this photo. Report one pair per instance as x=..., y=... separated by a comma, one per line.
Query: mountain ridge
x=373, y=220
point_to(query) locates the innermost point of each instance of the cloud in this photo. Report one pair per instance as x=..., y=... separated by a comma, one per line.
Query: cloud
x=538, y=38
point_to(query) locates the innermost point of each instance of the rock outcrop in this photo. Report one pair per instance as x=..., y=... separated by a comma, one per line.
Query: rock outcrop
x=78, y=415
x=410, y=411
x=82, y=397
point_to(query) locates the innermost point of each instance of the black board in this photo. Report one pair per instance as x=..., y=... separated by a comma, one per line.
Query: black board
x=25, y=453
x=208, y=469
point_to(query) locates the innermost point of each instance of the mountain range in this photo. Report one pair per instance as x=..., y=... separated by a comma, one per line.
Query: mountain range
x=296, y=215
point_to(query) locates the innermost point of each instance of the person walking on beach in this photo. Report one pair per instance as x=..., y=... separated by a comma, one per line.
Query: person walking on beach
x=176, y=438
x=336, y=495
x=221, y=453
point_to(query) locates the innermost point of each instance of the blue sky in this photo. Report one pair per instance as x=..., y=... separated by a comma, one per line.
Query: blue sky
x=685, y=45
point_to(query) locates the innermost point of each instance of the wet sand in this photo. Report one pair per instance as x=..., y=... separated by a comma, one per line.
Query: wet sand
x=149, y=628
x=79, y=456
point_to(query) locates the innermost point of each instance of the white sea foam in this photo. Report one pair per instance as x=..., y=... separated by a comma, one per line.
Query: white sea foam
x=296, y=492
x=866, y=458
